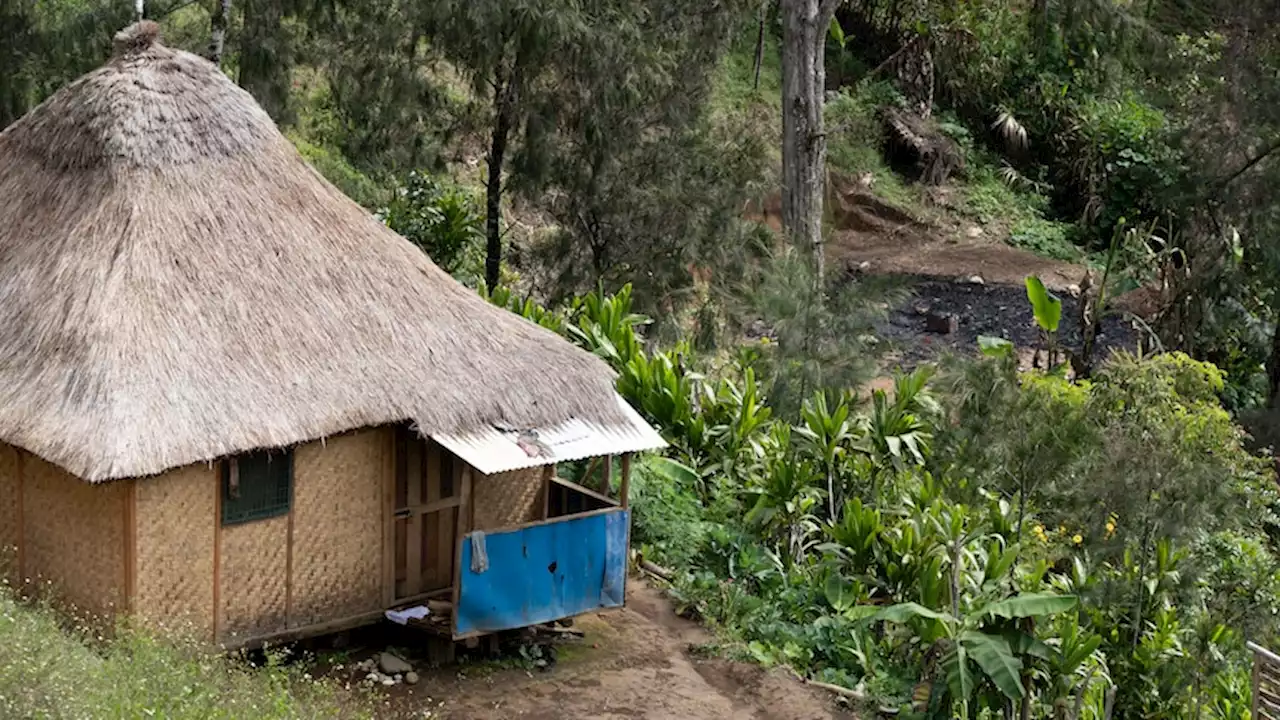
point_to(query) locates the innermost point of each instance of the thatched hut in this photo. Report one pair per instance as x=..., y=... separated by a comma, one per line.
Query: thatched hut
x=230, y=396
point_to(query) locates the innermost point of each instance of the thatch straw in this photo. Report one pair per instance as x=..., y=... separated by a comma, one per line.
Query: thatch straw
x=177, y=284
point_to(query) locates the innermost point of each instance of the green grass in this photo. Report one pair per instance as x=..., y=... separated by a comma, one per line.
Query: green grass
x=1047, y=238
x=50, y=670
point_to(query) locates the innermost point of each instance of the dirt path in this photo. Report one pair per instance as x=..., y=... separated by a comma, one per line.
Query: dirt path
x=635, y=662
x=889, y=241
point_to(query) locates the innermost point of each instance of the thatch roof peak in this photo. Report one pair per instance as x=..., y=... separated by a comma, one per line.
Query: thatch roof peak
x=177, y=284
x=138, y=37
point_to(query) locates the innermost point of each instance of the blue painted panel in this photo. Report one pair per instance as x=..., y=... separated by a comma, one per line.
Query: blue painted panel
x=545, y=572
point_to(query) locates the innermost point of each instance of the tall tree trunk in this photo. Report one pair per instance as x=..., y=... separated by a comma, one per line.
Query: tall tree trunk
x=1273, y=368
x=218, y=33
x=804, y=142
x=764, y=12
x=505, y=87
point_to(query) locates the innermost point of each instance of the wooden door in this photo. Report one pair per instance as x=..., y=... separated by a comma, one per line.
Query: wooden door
x=425, y=516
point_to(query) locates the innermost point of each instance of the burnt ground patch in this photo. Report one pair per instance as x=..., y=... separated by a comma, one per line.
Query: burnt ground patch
x=982, y=309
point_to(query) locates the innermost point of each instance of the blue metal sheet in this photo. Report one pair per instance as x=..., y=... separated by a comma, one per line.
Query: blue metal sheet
x=544, y=572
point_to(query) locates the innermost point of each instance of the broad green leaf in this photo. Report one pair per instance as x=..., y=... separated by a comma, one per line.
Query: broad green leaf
x=959, y=675
x=669, y=469
x=841, y=593
x=902, y=612
x=837, y=33
x=1044, y=304
x=1022, y=643
x=992, y=654
x=994, y=347
x=1031, y=605
x=1080, y=653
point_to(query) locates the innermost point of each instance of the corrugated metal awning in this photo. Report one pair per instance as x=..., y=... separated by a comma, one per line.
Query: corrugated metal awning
x=493, y=450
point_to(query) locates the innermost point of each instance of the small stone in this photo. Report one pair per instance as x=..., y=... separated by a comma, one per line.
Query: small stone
x=393, y=665
x=976, y=280
x=941, y=323
x=1073, y=290
x=973, y=232
x=373, y=677
x=411, y=677
x=865, y=265
x=388, y=682
x=398, y=678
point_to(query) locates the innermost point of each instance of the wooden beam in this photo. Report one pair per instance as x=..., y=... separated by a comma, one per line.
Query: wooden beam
x=464, y=527
x=561, y=482
x=624, y=489
x=288, y=555
x=606, y=482
x=130, y=546
x=388, y=516
x=415, y=524
x=562, y=518
x=323, y=628
x=22, y=524
x=217, y=547
x=548, y=474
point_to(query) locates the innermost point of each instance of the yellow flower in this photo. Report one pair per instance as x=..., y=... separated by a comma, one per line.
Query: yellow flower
x=1111, y=527
x=1077, y=539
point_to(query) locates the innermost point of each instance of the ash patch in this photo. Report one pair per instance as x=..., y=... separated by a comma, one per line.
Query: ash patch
x=995, y=310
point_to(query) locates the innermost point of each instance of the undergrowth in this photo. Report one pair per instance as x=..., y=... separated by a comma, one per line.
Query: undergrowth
x=49, y=669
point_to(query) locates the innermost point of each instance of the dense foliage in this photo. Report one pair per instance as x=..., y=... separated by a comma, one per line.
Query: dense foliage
x=968, y=545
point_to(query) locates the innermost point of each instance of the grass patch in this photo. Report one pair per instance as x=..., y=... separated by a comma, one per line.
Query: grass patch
x=854, y=140
x=1047, y=238
x=48, y=670
x=988, y=197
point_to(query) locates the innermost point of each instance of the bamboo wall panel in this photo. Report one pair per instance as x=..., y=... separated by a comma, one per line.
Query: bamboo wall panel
x=253, y=579
x=337, y=526
x=506, y=499
x=176, y=524
x=9, y=531
x=73, y=535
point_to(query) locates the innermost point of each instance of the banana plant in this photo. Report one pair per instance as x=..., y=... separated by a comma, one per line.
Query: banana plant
x=985, y=646
x=1047, y=309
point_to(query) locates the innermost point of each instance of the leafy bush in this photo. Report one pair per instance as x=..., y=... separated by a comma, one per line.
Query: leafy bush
x=442, y=219
x=1030, y=546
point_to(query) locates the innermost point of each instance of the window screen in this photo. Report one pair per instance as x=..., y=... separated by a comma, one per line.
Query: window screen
x=256, y=485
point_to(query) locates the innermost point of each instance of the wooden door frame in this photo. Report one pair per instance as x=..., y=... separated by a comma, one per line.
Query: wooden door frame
x=419, y=451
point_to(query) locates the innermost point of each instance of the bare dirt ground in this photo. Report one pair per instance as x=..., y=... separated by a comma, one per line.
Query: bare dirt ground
x=637, y=662
x=889, y=241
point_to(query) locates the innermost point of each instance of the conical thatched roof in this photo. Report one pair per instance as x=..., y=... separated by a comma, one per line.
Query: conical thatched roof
x=177, y=284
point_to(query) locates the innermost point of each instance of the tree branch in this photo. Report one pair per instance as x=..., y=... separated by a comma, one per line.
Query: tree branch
x=1274, y=146
x=826, y=11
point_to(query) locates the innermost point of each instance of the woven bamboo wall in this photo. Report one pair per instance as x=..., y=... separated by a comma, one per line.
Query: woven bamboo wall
x=176, y=526
x=253, y=573
x=9, y=531
x=73, y=536
x=337, y=526
x=506, y=499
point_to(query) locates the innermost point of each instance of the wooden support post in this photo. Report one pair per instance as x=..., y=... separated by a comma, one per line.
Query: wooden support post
x=415, y=524
x=624, y=489
x=217, y=548
x=464, y=527
x=548, y=472
x=606, y=481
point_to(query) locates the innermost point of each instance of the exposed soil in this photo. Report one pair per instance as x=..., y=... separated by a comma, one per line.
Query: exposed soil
x=641, y=661
x=889, y=241
x=995, y=310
